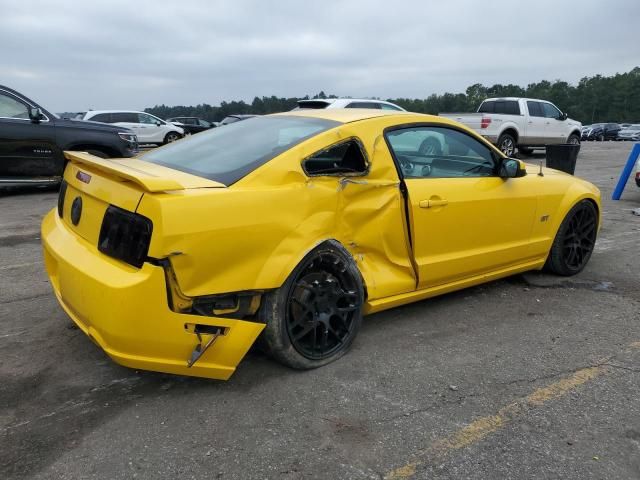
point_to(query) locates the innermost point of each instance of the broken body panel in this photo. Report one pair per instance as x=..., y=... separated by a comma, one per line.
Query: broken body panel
x=210, y=240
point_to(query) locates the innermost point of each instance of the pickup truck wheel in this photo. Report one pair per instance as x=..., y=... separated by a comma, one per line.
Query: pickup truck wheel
x=573, y=140
x=507, y=144
x=315, y=316
x=171, y=137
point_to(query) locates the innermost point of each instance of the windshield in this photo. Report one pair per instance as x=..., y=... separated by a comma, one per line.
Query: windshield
x=229, y=153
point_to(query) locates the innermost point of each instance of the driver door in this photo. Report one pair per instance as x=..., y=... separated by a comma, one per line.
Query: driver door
x=465, y=220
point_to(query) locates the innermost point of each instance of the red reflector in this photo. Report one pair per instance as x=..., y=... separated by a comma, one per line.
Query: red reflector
x=485, y=122
x=83, y=177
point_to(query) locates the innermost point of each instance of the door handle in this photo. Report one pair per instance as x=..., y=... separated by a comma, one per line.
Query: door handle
x=432, y=203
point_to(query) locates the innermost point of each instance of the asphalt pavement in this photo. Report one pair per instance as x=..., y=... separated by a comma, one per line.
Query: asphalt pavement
x=533, y=376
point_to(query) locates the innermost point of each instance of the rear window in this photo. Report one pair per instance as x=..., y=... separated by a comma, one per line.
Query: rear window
x=315, y=104
x=505, y=107
x=228, y=154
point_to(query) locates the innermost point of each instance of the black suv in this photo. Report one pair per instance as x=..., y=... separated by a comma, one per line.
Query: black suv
x=191, y=125
x=33, y=141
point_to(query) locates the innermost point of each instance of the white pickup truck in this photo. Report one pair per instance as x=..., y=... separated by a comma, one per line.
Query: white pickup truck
x=525, y=123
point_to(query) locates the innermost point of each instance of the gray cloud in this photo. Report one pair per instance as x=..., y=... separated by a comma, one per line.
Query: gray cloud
x=115, y=54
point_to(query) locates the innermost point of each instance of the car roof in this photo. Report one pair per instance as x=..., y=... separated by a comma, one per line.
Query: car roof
x=116, y=111
x=348, y=115
x=493, y=99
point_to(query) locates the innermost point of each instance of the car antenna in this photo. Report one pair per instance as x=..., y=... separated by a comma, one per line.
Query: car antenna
x=540, y=174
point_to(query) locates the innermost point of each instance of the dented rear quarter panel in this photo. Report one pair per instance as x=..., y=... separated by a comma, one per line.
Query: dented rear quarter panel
x=251, y=235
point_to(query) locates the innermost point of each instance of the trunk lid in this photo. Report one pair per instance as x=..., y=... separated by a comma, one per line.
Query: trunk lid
x=92, y=184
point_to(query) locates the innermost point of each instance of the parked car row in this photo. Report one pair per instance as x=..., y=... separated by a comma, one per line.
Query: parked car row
x=611, y=131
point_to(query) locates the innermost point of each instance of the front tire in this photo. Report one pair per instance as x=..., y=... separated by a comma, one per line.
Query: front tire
x=507, y=144
x=314, y=317
x=574, y=242
x=573, y=139
x=171, y=137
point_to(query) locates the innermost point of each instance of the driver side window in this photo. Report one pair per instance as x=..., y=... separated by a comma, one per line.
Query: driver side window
x=439, y=152
x=10, y=108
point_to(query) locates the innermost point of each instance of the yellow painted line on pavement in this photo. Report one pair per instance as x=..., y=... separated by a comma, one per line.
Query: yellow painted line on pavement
x=479, y=429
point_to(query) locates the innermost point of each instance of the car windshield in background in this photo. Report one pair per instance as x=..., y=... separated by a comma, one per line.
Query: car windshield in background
x=228, y=154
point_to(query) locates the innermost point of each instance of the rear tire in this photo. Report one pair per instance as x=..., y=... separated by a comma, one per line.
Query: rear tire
x=507, y=144
x=575, y=239
x=314, y=317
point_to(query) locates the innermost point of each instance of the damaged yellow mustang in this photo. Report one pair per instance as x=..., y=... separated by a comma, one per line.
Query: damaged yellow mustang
x=294, y=226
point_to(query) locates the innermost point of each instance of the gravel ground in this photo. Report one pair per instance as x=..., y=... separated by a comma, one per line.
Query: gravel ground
x=529, y=377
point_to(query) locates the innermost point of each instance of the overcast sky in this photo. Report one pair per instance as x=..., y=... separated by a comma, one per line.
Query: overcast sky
x=74, y=55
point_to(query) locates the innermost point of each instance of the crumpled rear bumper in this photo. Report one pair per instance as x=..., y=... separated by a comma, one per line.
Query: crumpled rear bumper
x=125, y=310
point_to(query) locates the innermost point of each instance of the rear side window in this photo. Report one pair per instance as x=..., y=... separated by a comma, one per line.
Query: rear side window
x=512, y=107
x=228, y=154
x=364, y=105
x=101, y=117
x=386, y=106
x=124, y=117
x=535, y=109
x=347, y=158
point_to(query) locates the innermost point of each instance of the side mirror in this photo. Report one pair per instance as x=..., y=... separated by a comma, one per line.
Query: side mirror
x=35, y=114
x=512, y=168
x=563, y=116
x=158, y=124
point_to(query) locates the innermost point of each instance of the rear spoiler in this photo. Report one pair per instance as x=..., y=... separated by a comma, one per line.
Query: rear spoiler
x=149, y=176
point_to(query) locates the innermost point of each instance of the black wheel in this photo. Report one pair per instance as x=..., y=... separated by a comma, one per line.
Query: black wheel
x=573, y=139
x=574, y=241
x=507, y=144
x=525, y=151
x=314, y=317
x=171, y=137
x=98, y=153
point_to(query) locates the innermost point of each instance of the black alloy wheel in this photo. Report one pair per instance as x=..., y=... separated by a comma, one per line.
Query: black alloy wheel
x=323, y=304
x=314, y=317
x=575, y=240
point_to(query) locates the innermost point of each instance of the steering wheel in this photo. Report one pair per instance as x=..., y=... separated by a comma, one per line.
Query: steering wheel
x=405, y=164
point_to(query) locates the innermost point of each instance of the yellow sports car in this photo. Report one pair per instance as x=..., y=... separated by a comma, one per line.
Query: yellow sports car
x=293, y=226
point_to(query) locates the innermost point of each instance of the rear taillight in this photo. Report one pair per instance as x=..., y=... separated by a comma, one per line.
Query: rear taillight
x=61, y=195
x=125, y=235
x=485, y=122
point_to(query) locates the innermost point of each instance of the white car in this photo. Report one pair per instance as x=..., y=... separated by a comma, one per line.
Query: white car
x=523, y=123
x=147, y=127
x=347, y=103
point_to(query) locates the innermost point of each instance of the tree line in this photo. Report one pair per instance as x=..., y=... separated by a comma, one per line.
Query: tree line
x=614, y=98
